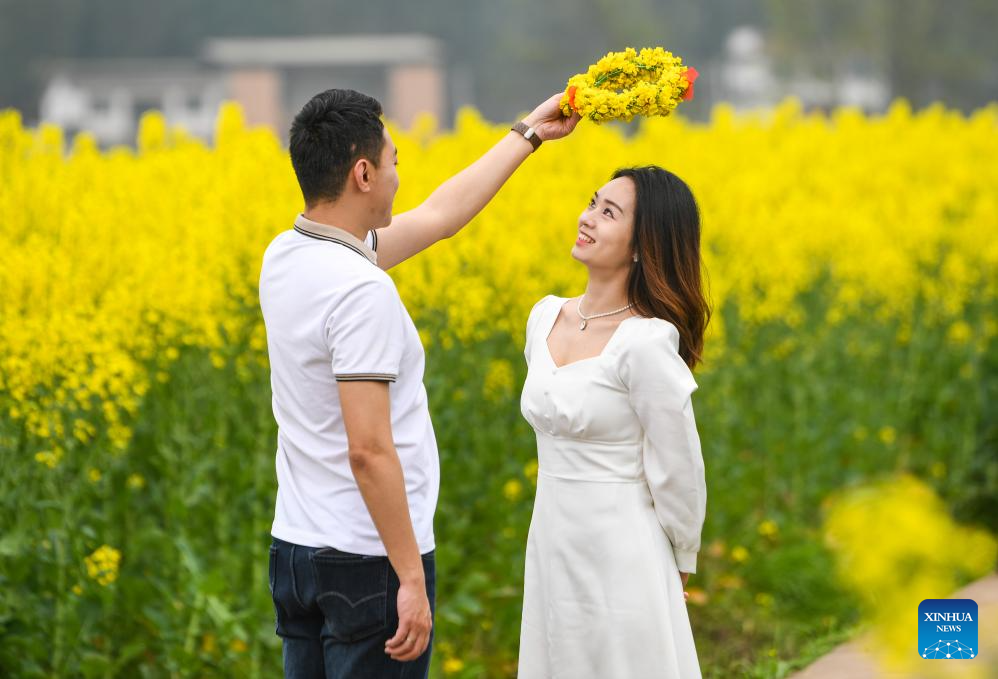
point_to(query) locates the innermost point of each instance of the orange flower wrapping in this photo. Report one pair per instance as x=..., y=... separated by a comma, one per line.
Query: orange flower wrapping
x=691, y=75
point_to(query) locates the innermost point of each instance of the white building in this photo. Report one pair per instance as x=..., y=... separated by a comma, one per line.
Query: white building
x=746, y=78
x=270, y=77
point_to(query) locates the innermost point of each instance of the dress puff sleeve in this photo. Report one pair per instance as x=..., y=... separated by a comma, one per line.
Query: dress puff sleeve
x=531, y=324
x=660, y=386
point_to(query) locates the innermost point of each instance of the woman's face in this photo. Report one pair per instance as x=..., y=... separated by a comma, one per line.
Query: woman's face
x=606, y=227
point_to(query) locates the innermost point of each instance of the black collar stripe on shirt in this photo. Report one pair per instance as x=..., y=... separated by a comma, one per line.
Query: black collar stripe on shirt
x=310, y=234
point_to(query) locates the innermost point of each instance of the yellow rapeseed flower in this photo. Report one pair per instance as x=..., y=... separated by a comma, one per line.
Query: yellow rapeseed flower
x=102, y=564
x=453, y=665
x=512, y=489
x=887, y=435
x=959, y=332
x=768, y=528
x=49, y=458
x=530, y=471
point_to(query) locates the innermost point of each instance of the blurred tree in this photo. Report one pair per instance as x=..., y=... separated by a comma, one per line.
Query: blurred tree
x=926, y=50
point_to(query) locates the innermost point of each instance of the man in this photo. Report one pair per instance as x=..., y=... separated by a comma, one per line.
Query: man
x=352, y=559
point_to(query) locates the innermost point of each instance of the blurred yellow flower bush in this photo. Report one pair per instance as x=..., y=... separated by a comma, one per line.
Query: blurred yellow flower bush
x=895, y=545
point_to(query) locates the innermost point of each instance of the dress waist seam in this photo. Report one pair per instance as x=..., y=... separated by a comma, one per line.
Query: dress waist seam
x=580, y=439
x=589, y=480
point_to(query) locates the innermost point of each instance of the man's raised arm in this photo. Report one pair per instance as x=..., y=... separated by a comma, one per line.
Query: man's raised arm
x=455, y=202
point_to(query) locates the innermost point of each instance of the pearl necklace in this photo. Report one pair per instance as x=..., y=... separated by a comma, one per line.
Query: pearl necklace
x=586, y=319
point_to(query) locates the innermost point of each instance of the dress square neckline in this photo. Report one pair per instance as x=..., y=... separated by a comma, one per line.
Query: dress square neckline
x=550, y=329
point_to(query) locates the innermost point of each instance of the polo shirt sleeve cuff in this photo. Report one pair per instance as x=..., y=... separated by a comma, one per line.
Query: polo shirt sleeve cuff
x=366, y=377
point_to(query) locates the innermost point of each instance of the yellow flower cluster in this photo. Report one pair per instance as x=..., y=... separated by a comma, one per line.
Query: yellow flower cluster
x=923, y=555
x=625, y=84
x=102, y=565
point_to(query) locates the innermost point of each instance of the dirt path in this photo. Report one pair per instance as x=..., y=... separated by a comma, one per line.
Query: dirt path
x=851, y=661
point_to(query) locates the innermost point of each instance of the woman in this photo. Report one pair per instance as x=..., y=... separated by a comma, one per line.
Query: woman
x=621, y=496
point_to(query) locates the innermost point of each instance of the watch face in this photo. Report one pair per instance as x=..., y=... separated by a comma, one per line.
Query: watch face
x=529, y=133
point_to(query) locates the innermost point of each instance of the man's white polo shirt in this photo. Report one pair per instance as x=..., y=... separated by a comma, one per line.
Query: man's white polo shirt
x=332, y=315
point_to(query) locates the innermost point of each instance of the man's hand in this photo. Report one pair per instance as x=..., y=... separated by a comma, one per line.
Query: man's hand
x=548, y=120
x=415, y=623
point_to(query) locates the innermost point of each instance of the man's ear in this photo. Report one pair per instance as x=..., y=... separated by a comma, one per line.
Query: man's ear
x=362, y=175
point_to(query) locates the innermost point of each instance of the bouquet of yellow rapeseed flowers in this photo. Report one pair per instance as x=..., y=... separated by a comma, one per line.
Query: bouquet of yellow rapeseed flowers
x=625, y=84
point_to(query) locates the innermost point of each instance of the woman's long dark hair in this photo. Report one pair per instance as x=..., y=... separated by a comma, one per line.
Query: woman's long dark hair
x=666, y=281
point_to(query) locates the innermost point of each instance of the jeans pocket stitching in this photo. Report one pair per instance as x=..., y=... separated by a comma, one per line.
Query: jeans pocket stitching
x=376, y=610
x=351, y=604
x=294, y=580
x=272, y=574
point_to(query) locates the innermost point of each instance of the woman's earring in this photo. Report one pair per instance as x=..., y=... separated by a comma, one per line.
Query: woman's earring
x=635, y=258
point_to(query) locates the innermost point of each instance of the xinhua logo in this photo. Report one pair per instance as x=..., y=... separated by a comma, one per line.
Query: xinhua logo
x=947, y=629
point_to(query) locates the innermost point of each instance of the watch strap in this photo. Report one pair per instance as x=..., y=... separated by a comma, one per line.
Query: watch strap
x=529, y=133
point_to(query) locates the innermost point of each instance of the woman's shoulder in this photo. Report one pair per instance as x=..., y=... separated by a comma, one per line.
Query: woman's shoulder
x=547, y=301
x=650, y=332
x=550, y=299
x=540, y=307
x=650, y=359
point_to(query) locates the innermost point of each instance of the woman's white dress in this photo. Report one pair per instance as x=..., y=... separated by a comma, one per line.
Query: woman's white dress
x=620, y=504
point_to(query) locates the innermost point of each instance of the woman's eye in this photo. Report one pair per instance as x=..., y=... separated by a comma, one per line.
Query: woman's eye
x=592, y=202
x=608, y=212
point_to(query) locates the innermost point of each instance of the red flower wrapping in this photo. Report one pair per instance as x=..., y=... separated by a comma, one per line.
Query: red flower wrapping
x=571, y=96
x=691, y=75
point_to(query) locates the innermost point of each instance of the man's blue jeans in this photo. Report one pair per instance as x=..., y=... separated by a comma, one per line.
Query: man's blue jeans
x=336, y=610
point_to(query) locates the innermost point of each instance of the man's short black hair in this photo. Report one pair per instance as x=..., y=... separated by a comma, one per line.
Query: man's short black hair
x=334, y=130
